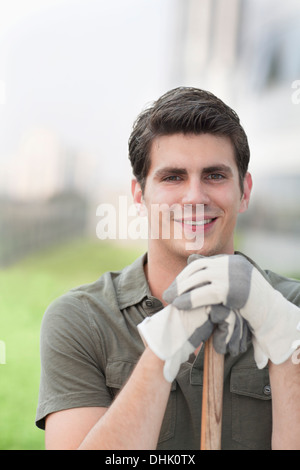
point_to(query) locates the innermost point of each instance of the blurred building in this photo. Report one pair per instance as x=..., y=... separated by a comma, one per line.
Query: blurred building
x=44, y=195
x=43, y=166
x=246, y=52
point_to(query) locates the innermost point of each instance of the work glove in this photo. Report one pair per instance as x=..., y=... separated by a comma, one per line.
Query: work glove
x=231, y=280
x=174, y=334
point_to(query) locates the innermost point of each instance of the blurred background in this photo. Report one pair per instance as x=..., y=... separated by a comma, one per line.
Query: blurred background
x=74, y=75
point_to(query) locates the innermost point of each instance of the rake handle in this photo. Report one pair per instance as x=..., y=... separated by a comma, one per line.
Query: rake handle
x=212, y=398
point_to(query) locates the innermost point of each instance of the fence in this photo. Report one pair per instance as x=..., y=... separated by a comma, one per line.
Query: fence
x=27, y=227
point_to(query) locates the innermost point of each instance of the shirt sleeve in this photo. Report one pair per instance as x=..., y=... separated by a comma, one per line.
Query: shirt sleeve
x=71, y=373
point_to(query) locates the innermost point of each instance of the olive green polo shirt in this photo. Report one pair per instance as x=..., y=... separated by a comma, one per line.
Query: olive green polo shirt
x=90, y=345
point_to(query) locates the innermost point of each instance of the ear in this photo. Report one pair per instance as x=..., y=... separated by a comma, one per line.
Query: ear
x=247, y=192
x=138, y=199
x=136, y=192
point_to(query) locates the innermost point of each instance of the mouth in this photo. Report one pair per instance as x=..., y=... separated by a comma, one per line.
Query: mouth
x=196, y=222
x=190, y=224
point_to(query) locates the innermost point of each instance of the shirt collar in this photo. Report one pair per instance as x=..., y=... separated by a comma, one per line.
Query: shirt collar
x=133, y=286
x=263, y=273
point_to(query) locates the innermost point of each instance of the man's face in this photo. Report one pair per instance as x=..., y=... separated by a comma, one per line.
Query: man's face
x=198, y=174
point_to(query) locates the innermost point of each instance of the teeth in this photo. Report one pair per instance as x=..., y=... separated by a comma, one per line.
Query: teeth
x=198, y=222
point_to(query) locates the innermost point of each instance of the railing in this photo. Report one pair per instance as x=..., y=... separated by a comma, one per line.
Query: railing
x=28, y=227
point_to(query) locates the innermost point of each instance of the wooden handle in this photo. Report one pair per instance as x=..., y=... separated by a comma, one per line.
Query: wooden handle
x=212, y=398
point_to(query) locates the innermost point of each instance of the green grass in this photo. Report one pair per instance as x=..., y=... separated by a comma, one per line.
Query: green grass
x=26, y=289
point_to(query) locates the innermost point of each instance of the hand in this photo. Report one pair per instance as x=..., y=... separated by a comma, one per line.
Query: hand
x=231, y=280
x=174, y=334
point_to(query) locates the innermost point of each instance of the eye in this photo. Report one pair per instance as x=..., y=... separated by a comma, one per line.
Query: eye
x=172, y=178
x=215, y=176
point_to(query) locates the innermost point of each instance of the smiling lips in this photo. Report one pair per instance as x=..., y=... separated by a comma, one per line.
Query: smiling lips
x=194, y=224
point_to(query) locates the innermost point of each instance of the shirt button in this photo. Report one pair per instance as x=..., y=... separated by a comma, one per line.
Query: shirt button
x=149, y=303
x=267, y=390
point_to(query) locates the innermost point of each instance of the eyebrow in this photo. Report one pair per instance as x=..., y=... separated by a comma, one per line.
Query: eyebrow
x=161, y=172
x=218, y=168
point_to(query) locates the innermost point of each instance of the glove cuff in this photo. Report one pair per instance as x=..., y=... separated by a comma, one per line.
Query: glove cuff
x=164, y=334
x=280, y=341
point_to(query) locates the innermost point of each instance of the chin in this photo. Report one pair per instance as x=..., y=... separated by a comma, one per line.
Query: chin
x=180, y=251
x=184, y=254
x=206, y=251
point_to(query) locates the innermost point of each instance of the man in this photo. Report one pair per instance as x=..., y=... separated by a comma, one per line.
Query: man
x=122, y=359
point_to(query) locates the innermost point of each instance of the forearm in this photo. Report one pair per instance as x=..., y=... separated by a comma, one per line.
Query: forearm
x=134, y=419
x=285, y=386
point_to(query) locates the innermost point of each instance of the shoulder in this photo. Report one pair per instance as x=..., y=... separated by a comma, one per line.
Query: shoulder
x=76, y=308
x=289, y=288
x=94, y=305
x=74, y=327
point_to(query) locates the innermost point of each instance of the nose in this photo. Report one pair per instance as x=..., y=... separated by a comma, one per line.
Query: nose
x=195, y=192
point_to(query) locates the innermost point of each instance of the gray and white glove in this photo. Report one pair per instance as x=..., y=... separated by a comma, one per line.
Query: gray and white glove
x=233, y=281
x=174, y=334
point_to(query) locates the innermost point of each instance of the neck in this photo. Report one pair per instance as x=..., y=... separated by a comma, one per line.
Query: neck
x=163, y=266
x=161, y=272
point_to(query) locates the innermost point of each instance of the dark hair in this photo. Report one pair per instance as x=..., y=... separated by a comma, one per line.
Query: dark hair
x=190, y=111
